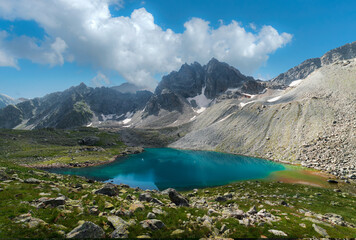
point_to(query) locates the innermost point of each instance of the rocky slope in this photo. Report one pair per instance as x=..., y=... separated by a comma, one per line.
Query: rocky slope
x=76, y=106
x=6, y=100
x=301, y=71
x=312, y=123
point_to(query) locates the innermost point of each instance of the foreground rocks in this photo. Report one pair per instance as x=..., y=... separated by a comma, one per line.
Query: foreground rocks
x=118, y=211
x=86, y=230
x=109, y=190
x=176, y=198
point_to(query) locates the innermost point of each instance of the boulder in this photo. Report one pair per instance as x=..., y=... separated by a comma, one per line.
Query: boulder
x=153, y=224
x=145, y=197
x=177, y=199
x=177, y=232
x=55, y=202
x=253, y=210
x=117, y=222
x=109, y=189
x=86, y=230
x=151, y=215
x=136, y=207
x=278, y=233
x=221, y=199
x=320, y=230
x=32, y=181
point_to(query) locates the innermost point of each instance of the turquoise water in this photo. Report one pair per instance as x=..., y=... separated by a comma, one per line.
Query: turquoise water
x=161, y=168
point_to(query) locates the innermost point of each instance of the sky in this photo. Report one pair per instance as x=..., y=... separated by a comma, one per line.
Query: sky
x=51, y=45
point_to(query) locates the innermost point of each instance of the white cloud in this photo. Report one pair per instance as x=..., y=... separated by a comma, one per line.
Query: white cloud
x=253, y=26
x=84, y=31
x=100, y=80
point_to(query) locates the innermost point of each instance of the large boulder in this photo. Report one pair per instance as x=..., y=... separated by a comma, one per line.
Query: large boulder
x=177, y=199
x=87, y=230
x=109, y=189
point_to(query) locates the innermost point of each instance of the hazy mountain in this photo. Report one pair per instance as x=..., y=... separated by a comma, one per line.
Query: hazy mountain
x=347, y=51
x=76, y=106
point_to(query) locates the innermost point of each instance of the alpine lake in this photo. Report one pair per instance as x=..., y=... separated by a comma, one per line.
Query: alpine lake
x=162, y=168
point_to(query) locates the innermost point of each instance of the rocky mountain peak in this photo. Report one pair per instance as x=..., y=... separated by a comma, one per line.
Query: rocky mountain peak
x=347, y=51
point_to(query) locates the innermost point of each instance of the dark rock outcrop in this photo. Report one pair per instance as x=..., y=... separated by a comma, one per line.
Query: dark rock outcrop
x=109, y=190
x=176, y=198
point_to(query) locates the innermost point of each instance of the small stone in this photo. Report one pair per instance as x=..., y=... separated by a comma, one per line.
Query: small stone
x=332, y=181
x=220, y=199
x=177, y=232
x=320, y=230
x=109, y=205
x=143, y=236
x=157, y=211
x=151, y=215
x=136, y=207
x=253, y=210
x=302, y=225
x=278, y=233
x=32, y=181
x=55, y=202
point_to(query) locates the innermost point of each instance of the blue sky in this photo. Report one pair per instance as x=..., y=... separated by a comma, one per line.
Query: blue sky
x=46, y=51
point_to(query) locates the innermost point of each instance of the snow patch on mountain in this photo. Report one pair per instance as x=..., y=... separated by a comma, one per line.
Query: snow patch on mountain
x=295, y=83
x=274, y=99
x=201, y=100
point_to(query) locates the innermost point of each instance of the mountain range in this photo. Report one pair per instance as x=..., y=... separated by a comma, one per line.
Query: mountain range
x=306, y=115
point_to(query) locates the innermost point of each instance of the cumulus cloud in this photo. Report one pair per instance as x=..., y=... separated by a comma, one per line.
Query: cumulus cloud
x=100, y=80
x=138, y=49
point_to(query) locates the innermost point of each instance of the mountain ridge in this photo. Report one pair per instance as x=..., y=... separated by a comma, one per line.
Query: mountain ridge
x=301, y=71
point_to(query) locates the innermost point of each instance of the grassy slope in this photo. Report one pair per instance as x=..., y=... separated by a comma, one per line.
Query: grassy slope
x=16, y=195
x=47, y=146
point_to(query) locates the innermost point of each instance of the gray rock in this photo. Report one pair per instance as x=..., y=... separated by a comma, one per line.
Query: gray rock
x=253, y=210
x=121, y=232
x=32, y=181
x=117, y=222
x=320, y=230
x=152, y=224
x=151, y=215
x=220, y=199
x=87, y=230
x=145, y=197
x=156, y=201
x=278, y=233
x=55, y=202
x=109, y=190
x=177, y=199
